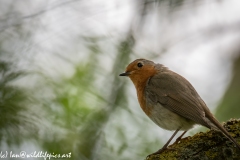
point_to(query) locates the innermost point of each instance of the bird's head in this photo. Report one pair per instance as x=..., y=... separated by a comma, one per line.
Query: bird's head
x=139, y=71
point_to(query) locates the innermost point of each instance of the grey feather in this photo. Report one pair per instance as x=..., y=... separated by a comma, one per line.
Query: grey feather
x=175, y=93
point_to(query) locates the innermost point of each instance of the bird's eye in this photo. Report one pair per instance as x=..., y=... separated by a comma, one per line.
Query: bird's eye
x=139, y=65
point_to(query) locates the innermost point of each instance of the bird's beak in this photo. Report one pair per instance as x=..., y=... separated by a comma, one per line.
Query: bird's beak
x=125, y=74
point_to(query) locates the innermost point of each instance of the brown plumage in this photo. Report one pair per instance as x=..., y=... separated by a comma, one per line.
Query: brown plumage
x=169, y=100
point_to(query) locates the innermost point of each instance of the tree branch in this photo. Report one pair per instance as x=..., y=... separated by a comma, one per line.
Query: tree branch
x=211, y=145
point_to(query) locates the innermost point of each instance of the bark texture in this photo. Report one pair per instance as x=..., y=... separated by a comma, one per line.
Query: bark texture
x=211, y=145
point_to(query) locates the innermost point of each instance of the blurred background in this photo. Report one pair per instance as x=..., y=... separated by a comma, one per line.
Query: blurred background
x=60, y=59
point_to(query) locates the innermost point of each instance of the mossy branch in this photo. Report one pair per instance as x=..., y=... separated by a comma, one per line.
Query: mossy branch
x=211, y=145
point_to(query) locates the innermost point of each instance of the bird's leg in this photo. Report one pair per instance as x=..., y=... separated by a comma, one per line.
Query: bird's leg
x=179, y=138
x=165, y=146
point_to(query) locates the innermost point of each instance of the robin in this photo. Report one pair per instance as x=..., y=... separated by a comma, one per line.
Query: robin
x=169, y=100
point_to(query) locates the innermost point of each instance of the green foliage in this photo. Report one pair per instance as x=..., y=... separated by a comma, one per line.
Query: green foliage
x=13, y=107
x=229, y=106
x=84, y=107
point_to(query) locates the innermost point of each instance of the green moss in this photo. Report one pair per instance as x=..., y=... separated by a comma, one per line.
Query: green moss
x=211, y=154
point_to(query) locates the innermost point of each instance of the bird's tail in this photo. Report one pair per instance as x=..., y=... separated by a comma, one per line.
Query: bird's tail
x=221, y=128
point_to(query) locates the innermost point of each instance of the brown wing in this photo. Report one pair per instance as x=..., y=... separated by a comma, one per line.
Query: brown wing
x=176, y=94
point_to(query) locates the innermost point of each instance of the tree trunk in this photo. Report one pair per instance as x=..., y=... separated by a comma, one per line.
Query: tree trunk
x=211, y=145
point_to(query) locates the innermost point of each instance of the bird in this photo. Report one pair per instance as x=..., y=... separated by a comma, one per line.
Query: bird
x=170, y=100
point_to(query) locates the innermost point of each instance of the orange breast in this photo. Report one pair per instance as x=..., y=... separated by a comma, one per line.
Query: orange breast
x=142, y=99
x=140, y=79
